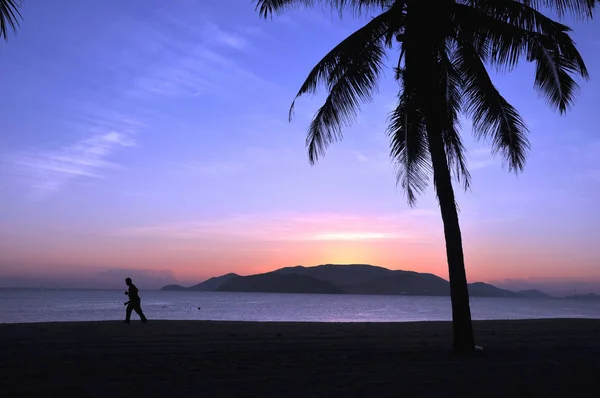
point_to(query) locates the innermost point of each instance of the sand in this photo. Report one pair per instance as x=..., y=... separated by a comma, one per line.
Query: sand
x=533, y=358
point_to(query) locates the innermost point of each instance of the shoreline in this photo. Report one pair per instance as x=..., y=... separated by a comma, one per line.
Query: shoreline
x=301, y=323
x=522, y=358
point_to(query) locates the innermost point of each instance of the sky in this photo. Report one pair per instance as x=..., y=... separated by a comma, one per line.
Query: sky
x=151, y=139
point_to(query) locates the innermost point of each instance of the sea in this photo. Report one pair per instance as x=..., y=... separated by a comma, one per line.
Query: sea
x=52, y=305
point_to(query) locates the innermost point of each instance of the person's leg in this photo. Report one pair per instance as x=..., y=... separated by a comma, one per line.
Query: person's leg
x=138, y=310
x=128, y=312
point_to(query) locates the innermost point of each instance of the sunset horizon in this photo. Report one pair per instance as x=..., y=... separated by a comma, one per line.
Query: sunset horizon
x=156, y=279
x=164, y=152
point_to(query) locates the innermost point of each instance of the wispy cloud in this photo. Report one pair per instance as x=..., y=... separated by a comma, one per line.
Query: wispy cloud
x=193, y=60
x=136, y=194
x=326, y=19
x=202, y=70
x=592, y=151
x=221, y=37
x=161, y=65
x=590, y=175
x=242, y=160
x=481, y=158
x=283, y=157
x=99, y=118
x=88, y=277
x=408, y=225
x=149, y=278
x=358, y=236
x=374, y=163
x=380, y=162
x=47, y=171
x=197, y=26
x=255, y=31
x=361, y=157
x=210, y=169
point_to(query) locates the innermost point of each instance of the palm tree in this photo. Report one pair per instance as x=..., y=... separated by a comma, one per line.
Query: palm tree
x=444, y=47
x=9, y=16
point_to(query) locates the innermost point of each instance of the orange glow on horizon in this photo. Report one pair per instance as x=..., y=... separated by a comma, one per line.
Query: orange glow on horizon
x=193, y=252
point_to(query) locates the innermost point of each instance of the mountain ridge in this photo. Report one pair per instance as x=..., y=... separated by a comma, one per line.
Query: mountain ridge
x=347, y=279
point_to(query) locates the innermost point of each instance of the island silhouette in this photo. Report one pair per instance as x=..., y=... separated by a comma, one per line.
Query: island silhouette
x=348, y=279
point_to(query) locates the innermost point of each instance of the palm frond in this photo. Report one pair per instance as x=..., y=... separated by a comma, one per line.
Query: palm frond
x=362, y=6
x=408, y=145
x=510, y=34
x=493, y=117
x=350, y=72
x=553, y=74
x=577, y=8
x=506, y=24
x=9, y=16
x=267, y=8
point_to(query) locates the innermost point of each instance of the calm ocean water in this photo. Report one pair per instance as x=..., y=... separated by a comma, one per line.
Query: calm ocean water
x=29, y=305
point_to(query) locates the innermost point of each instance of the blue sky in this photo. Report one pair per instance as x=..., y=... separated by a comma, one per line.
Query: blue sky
x=151, y=138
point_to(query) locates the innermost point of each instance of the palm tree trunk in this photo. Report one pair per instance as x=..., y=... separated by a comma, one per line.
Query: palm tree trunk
x=461, y=312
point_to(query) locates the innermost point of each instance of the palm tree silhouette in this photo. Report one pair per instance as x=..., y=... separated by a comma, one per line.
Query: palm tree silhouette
x=445, y=47
x=9, y=16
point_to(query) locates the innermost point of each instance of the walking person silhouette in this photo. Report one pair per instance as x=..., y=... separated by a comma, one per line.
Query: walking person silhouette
x=134, y=303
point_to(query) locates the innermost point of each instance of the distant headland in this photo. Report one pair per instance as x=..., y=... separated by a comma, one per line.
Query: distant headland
x=351, y=279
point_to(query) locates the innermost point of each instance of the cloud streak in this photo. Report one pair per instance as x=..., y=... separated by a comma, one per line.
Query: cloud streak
x=409, y=225
x=375, y=163
x=225, y=38
x=481, y=158
x=211, y=169
x=193, y=59
x=242, y=161
x=163, y=65
x=47, y=171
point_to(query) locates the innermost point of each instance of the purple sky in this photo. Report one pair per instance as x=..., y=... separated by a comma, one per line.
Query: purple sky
x=150, y=138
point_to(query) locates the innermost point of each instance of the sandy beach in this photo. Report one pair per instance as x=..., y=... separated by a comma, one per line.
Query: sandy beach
x=533, y=358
